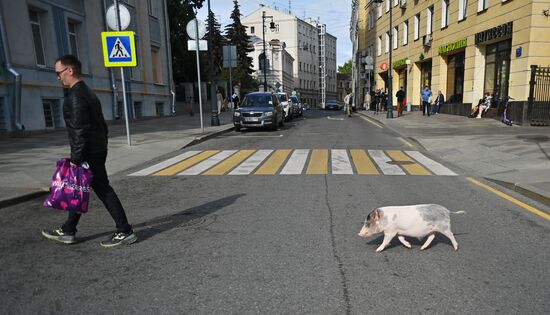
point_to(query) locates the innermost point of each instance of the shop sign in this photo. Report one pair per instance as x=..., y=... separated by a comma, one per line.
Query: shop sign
x=453, y=46
x=400, y=63
x=384, y=66
x=503, y=30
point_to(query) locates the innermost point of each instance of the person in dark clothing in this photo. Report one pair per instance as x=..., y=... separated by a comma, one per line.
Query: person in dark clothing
x=400, y=98
x=88, y=141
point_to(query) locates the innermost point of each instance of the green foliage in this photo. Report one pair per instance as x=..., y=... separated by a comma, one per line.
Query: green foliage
x=346, y=68
x=218, y=41
x=236, y=35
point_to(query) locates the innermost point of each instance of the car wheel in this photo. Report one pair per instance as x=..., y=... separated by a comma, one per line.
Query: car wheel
x=237, y=128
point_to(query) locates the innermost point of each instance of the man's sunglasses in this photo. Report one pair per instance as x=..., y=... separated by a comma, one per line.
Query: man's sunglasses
x=60, y=72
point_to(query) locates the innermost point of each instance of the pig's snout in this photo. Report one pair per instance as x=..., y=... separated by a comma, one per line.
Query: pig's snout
x=364, y=232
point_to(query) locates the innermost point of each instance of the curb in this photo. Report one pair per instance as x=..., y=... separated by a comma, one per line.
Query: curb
x=525, y=190
x=10, y=201
x=198, y=140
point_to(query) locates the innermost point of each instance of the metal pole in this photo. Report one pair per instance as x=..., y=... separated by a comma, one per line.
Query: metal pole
x=215, y=121
x=123, y=84
x=230, y=79
x=265, y=57
x=389, y=113
x=198, y=68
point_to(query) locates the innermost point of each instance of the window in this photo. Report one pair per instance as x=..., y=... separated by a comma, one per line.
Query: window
x=387, y=46
x=150, y=7
x=379, y=46
x=50, y=114
x=73, y=38
x=417, y=26
x=395, y=3
x=34, y=17
x=157, y=69
x=395, y=32
x=405, y=32
x=387, y=5
x=380, y=10
x=159, y=109
x=138, y=113
x=429, y=20
x=444, y=13
x=462, y=9
x=482, y=5
x=252, y=30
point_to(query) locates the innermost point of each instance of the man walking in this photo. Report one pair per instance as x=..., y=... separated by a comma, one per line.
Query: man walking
x=426, y=100
x=400, y=98
x=88, y=140
x=347, y=102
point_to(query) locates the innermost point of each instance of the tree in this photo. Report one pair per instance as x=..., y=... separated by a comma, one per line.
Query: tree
x=180, y=12
x=218, y=41
x=345, y=68
x=236, y=35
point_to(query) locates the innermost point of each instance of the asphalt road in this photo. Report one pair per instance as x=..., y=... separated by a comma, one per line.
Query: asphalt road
x=280, y=244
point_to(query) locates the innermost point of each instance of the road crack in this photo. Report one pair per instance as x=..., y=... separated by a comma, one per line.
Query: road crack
x=337, y=257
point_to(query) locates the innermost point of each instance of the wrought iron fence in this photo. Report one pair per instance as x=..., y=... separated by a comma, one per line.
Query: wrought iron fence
x=539, y=96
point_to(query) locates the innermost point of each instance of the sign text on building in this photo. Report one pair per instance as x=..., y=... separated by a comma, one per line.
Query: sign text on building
x=461, y=43
x=503, y=30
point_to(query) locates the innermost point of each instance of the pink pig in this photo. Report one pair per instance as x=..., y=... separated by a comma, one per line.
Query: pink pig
x=414, y=221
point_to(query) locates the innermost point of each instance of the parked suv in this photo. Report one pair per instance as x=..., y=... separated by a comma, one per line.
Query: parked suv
x=284, y=99
x=259, y=109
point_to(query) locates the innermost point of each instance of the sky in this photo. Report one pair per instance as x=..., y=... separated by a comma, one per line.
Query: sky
x=334, y=13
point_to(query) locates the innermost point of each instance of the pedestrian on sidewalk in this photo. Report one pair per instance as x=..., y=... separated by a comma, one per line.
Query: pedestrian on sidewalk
x=439, y=100
x=400, y=98
x=88, y=141
x=219, y=100
x=348, y=99
x=426, y=95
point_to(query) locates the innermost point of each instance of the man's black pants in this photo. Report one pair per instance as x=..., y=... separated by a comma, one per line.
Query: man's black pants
x=106, y=194
x=426, y=108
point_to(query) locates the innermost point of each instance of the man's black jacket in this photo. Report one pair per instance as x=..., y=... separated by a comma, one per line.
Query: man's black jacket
x=85, y=123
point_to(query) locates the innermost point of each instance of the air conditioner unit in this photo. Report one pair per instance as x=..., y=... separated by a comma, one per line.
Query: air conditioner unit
x=403, y=3
x=427, y=40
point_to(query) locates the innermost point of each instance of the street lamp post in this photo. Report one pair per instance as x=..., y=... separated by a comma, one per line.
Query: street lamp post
x=389, y=113
x=264, y=60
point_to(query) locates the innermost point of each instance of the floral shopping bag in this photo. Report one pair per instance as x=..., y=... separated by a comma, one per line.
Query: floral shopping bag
x=71, y=186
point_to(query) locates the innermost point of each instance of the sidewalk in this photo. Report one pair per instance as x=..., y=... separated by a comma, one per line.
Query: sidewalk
x=515, y=157
x=27, y=162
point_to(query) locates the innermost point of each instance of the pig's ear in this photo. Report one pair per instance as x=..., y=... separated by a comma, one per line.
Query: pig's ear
x=375, y=215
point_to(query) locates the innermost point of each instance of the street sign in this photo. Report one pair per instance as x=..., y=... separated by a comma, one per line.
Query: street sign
x=369, y=60
x=191, y=29
x=229, y=56
x=192, y=44
x=119, y=49
x=112, y=20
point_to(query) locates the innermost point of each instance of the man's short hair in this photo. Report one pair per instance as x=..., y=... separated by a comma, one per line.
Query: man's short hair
x=71, y=62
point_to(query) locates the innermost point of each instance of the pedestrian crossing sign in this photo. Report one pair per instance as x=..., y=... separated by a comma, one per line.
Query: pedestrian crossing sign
x=119, y=49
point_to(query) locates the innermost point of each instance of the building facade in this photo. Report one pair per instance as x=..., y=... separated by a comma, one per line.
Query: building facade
x=463, y=48
x=35, y=32
x=279, y=65
x=303, y=44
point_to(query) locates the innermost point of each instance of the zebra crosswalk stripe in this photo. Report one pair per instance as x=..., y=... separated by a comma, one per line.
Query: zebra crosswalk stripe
x=318, y=163
x=340, y=162
x=251, y=163
x=412, y=167
x=432, y=165
x=296, y=163
x=208, y=163
x=381, y=159
x=164, y=164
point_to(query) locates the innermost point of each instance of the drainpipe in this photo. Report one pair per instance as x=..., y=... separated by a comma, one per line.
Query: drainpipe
x=112, y=80
x=169, y=56
x=17, y=76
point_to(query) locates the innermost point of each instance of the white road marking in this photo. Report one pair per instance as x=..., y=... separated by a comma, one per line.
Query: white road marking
x=251, y=163
x=340, y=162
x=335, y=118
x=296, y=163
x=381, y=159
x=208, y=163
x=435, y=167
x=160, y=166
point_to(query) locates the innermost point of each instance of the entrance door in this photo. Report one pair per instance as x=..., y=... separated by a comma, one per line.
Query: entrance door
x=426, y=75
x=497, y=71
x=455, y=77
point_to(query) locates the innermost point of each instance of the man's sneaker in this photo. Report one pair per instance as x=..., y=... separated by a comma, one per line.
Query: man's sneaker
x=119, y=239
x=60, y=236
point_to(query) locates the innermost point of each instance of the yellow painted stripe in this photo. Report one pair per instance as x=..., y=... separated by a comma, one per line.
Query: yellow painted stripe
x=229, y=163
x=185, y=164
x=318, y=163
x=274, y=163
x=413, y=169
x=511, y=199
x=372, y=122
x=406, y=142
x=363, y=163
